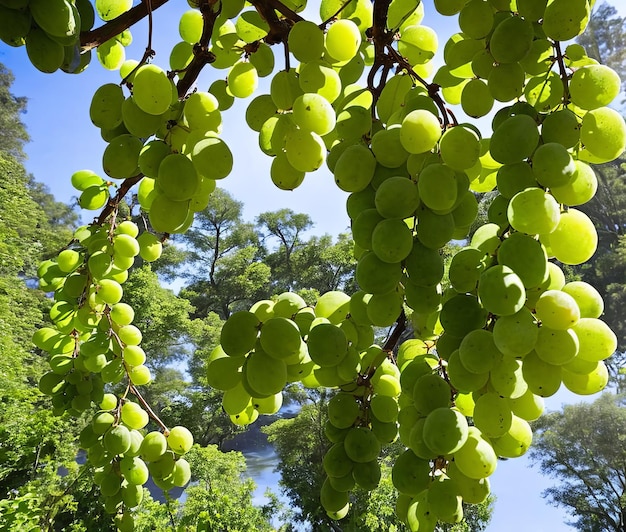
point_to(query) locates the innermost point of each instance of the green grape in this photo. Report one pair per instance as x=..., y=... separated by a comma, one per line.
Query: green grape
x=418, y=44
x=531, y=9
x=121, y=156
x=429, y=393
x=424, y=266
x=111, y=54
x=410, y=475
x=135, y=470
x=587, y=383
x=506, y=81
x=219, y=89
x=283, y=175
x=437, y=186
x=239, y=333
x=478, y=352
x=556, y=346
x=596, y=340
x=516, y=441
x=327, y=344
x=461, y=314
x=110, y=9
x=333, y=305
x=462, y=379
x=459, y=148
x=333, y=500
x=343, y=411
x=150, y=247
x=563, y=19
x=43, y=52
x=306, y=151
x=506, y=378
x=476, y=19
x=513, y=178
x=574, y=240
x=527, y=406
x=449, y=7
x=179, y=440
x=473, y=491
x=236, y=399
x=180, y=57
x=317, y=77
x=603, y=133
x=476, y=99
x=152, y=90
x=526, y=257
x=133, y=355
x=139, y=375
x=588, y=299
x=476, y=459
x=355, y=168
x=422, y=299
x=375, y=276
x=177, y=179
x=190, y=26
x=516, y=335
x=105, y=109
x=250, y=26
x=543, y=379
x=511, y=40
x=212, y=158
x=137, y=122
x=465, y=269
x=383, y=309
x=83, y=179
x=361, y=445
x=393, y=96
x=313, y=112
x=388, y=149
x=445, y=501
x=243, y=79
x=367, y=475
x=125, y=245
x=534, y=211
x=514, y=140
x=14, y=25
x=287, y=304
x=434, y=230
x=553, y=166
x=594, y=86
x=539, y=59
x=501, y=291
x=460, y=54
x=306, y=41
x=259, y=110
x=280, y=337
x=343, y=39
x=353, y=123
x=151, y=156
x=397, y=197
x=445, y=431
x=557, y=310
x=269, y=405
x=117, y=439
x=580, y=188
x=420, y=131
x=202, y=111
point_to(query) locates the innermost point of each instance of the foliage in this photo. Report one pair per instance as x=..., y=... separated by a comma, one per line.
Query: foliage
x=583, y=449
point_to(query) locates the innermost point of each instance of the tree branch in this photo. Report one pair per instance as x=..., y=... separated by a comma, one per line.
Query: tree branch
x=94, y=38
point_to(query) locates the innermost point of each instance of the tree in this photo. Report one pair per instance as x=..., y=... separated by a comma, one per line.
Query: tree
x=359, y=102
x=582, y=448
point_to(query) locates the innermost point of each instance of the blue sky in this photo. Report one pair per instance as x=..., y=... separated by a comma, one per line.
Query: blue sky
x=63, y=141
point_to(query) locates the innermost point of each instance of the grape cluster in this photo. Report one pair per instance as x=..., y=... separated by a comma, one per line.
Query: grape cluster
x=50, y=30
x=93, y=343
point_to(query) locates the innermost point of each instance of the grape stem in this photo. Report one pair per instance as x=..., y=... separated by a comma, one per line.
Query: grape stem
x=94, y=38
x=112, y=204
x=149, y=53
x=562, y=71
x=146, y=406
x=201, y=54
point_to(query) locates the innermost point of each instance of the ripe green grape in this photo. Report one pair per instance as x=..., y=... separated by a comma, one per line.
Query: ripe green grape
x=152, y=90
x=105, y=109
x=190, y=26
x=588, y=299
x=445, y=431
x=553, y=166
x=388, y=148
x=397, y=197
x=327, y=344
x=243, y=79
x=212, y=158
x=418, y=44
x=580, y=188
x=574, y=240
x=343, y=410
x=306, y=41
x=594, y=86
x=343, y=40
x=239, y=333
x=110, y=9
x=420, y=131
x=202, y=111
x=603, y=133
x=597, y=341
x=501, y=291
x=556, y=346
x=313, y=112
x=534, y=211
x=564, y=19
x=511, y=40
x=179, y=440
x=506, y=81
x=355, y=168
x=280, y=337
x=121, y=157
x=305, y=150
x=437, y=186
x=361, y=445
x=177, y=178
x=478, y=352
x=561, y=126
x=476, y=19
x=543, y=379
x=514, y=140
x=516, y=335
x=283, y=175
x=476, y=459
x=317, y=77
x=526, y=257
x=424, y=266
x=375, y=276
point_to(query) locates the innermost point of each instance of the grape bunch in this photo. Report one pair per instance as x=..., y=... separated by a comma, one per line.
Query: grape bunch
x=92, y=344
x=495, y=331
x=50, y=30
